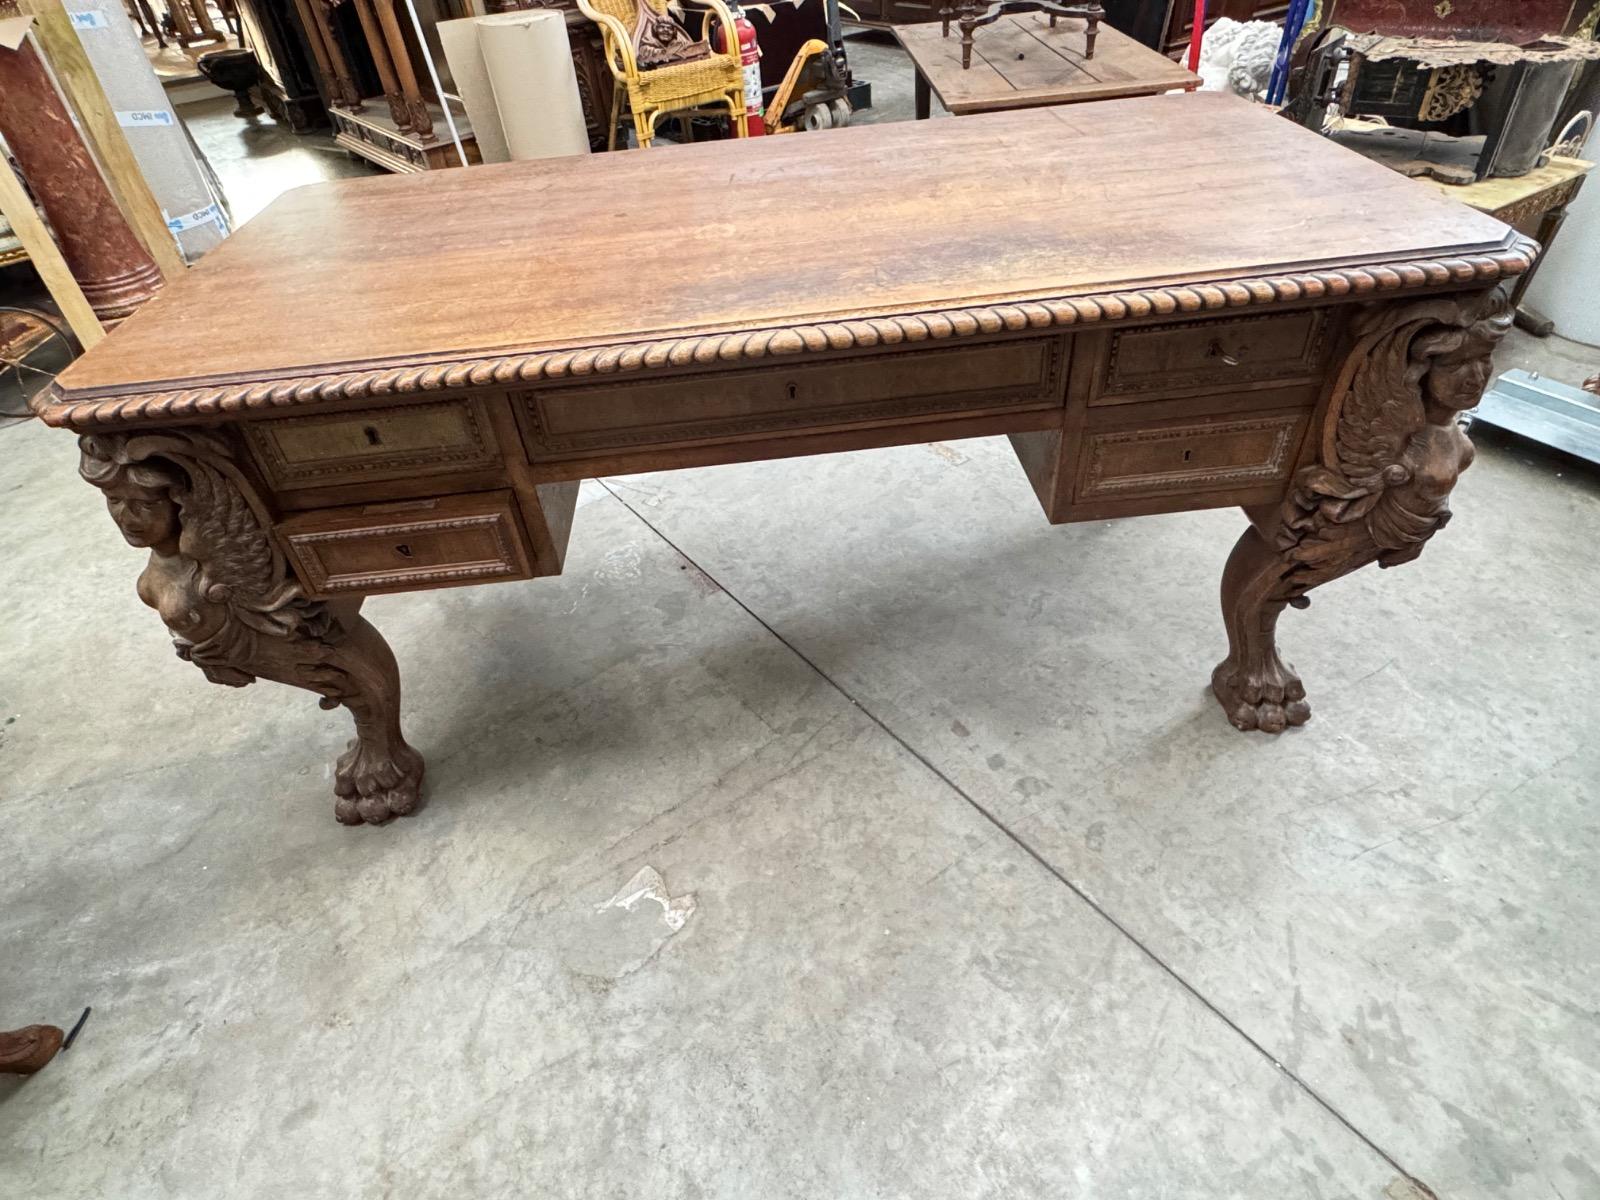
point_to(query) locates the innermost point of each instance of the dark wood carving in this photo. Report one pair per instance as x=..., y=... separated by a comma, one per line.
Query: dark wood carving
x=224, y=591
x=1391, y=451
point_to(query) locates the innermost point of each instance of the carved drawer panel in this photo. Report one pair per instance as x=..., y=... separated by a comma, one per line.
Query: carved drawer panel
x=1214, y=353
x=410, y=545
x=373, y=444
x=572, y=420
x=1184, y=457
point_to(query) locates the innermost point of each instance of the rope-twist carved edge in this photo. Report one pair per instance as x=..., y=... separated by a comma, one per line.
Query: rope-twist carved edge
x=706, y=349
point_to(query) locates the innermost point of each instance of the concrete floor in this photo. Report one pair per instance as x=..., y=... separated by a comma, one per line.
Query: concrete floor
x=984, y=897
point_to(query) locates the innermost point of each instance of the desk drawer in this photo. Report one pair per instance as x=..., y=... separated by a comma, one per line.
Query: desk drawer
x=415, y=544
x=1216, y=353
x=577, y=419
x=1189, y=456
x=437, y=438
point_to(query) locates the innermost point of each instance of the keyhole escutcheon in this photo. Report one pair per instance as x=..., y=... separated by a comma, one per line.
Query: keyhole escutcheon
x=372, y=436
x=794, y=391
x=403, y=550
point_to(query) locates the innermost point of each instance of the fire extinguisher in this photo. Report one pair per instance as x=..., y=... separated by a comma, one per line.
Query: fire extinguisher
x=750, y=57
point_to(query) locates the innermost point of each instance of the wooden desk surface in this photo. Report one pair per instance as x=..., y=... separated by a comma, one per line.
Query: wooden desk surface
x=732, y=240
x=1021, y=62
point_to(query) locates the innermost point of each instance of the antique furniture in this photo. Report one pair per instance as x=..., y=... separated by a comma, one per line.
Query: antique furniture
x=402, y=135
x=972, y=16
x=236, y=71
x=1027, y=61
x=288, y=84
x=29, y=1049
x=661, y=69
x=1306, y=359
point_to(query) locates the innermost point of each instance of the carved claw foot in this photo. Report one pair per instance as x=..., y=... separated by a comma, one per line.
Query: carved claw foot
x=374, y=784
x=1269, y=699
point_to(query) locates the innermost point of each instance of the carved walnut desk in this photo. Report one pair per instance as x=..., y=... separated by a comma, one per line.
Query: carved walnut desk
x=358, y=407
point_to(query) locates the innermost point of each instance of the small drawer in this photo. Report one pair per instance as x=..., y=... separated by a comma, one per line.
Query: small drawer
x=1202, y=354
x=1190, y=456
x=415, y=544
x=437, y=438
x=1007, y=375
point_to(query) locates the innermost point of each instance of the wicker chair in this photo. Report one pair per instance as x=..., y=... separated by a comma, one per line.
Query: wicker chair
x=712, y=81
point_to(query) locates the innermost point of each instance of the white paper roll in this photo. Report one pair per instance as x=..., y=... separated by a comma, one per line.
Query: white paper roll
x=460, y=41
x=530, y=67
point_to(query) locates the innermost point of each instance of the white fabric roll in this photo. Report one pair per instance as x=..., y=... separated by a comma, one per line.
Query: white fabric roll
x=530, y=67
x=460, y=41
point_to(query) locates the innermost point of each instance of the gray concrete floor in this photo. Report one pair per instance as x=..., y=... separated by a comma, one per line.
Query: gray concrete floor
x=988, y=899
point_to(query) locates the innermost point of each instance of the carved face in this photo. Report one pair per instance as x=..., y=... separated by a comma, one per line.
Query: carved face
x=147, y=516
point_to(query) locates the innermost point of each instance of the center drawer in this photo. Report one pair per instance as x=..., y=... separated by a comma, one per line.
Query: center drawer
x=442, y=542
x=998, y=376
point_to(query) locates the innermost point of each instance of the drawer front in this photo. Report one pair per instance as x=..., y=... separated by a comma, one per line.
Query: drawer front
x=1021, y=374
x=373, y=444
x=1201, y=354
x=403, y=547
x=1244, y=450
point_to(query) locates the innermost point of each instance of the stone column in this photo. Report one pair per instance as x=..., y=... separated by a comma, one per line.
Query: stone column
x=112, y=266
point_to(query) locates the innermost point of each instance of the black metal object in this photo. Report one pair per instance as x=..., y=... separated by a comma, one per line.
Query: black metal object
x=234, y=71
x=971, y=16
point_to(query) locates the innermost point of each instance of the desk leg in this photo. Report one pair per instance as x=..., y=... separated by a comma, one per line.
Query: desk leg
x=226, y=595
x=1391, y=449
x=924, y=95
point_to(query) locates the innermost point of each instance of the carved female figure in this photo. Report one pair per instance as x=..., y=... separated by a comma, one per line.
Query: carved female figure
x=223, y=590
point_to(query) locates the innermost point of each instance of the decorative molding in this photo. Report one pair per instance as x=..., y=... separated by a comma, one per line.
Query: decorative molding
x=1540, y=202
x=1274, y=466
x=1468, y=270
x=324, y=580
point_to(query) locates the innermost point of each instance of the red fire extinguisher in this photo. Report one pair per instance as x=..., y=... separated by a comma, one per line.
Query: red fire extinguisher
x=750, y=56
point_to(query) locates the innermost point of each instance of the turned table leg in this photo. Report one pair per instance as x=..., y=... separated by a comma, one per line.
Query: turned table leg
x=223, y=589
x=1391, y=450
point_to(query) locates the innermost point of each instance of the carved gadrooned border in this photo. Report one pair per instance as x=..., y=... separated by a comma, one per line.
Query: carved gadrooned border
x=707, y=349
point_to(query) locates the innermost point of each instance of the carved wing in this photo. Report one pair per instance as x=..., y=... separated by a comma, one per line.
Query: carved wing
x=1381, y=411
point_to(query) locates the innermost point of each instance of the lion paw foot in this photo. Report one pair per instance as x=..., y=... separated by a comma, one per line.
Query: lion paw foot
x=374, y=785
x=1270, y=699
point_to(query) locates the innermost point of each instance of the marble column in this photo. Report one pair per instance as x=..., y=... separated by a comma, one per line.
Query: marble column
x=112, y=266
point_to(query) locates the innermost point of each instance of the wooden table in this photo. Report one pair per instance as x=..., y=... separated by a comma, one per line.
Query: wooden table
x=372, y=410
x=1022, y=62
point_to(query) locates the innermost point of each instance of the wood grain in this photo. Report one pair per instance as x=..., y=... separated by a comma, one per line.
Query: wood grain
x=552, y=257
x=1021, y=62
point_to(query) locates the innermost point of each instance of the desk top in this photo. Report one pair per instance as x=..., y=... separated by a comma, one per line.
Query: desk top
x=1021, y=62
x=734, y=250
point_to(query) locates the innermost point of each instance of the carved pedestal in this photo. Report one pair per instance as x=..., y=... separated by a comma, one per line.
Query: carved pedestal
x=115, y=271
x=224, y=591
x=1392, y=448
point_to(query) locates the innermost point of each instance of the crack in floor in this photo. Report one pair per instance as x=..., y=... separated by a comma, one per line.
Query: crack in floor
x=1170, y=971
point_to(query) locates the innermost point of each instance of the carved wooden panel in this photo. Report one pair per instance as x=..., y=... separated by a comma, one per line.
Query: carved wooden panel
x=1198, y=354
x=374, y=444
x=1187, y=457
x=443, y=542
x=1017, y=374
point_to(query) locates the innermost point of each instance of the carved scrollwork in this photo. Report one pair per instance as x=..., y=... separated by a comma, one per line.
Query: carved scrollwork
x=224, y=591
x=1392, y=449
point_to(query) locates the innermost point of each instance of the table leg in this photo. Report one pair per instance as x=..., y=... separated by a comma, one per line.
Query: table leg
x=924, y=95
x=1391, y=448
x=226, y=595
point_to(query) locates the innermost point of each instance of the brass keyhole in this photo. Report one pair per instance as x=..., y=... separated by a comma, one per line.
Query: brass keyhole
x=1216, y=351
x=372, y=436
x=403, y=550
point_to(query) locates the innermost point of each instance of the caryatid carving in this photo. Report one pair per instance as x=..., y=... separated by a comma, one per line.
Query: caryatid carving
x=1392, y=449
x=224, y=591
